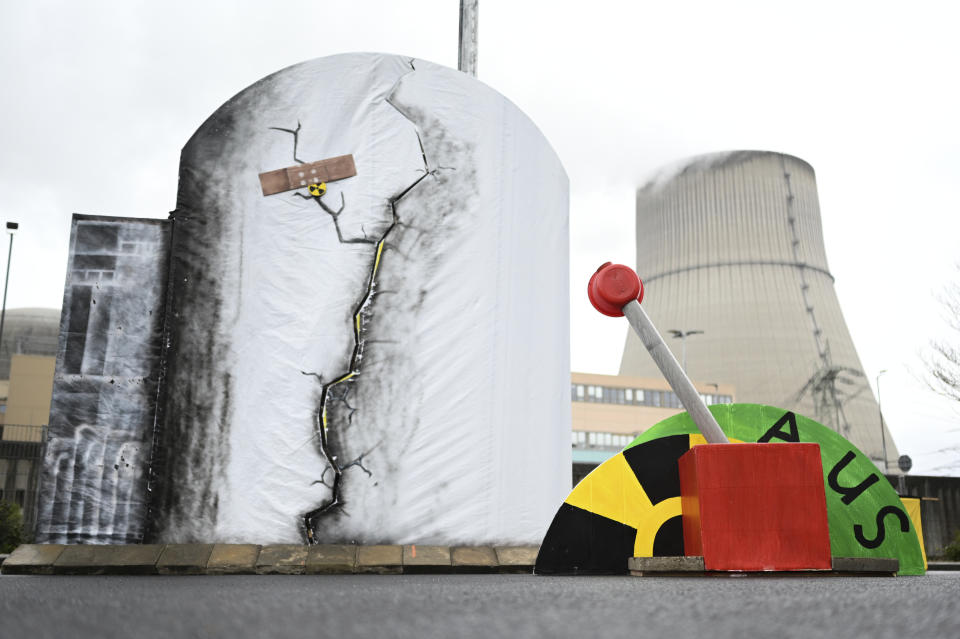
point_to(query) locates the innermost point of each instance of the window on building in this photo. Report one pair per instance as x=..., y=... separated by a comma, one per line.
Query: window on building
x=636, y=396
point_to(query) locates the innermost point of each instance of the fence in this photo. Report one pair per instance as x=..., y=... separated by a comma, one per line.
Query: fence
x=21, y=461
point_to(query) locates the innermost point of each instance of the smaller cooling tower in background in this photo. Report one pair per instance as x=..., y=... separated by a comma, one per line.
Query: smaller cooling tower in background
x=731, y=244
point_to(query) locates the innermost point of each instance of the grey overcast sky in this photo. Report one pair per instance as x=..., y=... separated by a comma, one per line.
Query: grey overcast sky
x=99, y=97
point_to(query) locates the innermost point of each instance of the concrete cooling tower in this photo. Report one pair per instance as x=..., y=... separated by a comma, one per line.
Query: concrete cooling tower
x=731, y=244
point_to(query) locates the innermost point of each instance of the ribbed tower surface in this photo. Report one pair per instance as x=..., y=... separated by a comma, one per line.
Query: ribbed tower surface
x=732, y=244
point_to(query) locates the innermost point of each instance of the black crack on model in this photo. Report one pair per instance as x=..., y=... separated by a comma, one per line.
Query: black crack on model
x=360, y=312
x=334, y=215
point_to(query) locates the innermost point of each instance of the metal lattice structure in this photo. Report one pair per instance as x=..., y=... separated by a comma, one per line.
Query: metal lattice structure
x=732, y=244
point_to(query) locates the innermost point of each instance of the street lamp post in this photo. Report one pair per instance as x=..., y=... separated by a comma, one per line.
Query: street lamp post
x=883, y=436
x=467, y=58
x=11, y=229
x=682, y=335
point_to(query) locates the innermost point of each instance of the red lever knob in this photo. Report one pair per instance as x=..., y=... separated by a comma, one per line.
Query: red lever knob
x=612, y=287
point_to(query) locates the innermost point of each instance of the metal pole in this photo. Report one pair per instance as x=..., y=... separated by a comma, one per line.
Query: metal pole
x=674, y=374
x=3, y=311
x=682, y=335
x=469, y=17
x=883, y=436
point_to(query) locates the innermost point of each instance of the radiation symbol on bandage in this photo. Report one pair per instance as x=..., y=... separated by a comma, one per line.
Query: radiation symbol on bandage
x=317, y=190
x=629, y=506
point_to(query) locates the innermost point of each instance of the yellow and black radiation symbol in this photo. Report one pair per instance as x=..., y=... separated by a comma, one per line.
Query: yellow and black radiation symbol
x=317, y=190
x=629, y=506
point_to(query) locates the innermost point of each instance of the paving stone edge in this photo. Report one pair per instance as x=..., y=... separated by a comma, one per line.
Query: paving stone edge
x=108, y=560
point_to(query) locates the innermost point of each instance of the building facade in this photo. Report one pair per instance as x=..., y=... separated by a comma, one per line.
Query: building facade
x=26, y=375
x=609, y=411
x=23, y=434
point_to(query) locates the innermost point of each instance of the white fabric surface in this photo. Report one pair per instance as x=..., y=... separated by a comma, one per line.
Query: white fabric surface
x=462, y=402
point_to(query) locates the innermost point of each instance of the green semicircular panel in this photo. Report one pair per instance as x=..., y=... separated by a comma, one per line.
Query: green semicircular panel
x=617, y=503
x=858, y=496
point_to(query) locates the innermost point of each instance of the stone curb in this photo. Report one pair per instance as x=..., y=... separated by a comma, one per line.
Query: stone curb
x=130, y=559
x=280, y=559
x=233, y=559
x=284, y=559
x=474, y=559
x=379, y=560
x=425, y=559
x=865, y=564
x=331, y=559
x=641, y=566
x=184, y=559
x=516, y=559
x=693, y=566
x=32, y=559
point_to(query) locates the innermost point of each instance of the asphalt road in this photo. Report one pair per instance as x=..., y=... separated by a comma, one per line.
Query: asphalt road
x=479, y=606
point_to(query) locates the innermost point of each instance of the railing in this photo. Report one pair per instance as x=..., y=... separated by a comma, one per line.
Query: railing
x=22, y=433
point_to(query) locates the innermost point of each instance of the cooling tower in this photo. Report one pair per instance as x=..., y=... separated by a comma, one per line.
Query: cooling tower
x=731, y=244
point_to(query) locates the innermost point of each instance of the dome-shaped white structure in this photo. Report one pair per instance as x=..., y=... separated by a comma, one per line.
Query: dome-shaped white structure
x=385, y=363
x=407, y=313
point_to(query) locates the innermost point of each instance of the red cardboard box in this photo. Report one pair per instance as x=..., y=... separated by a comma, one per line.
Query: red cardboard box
x=755, y=507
